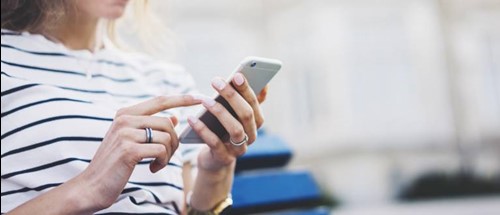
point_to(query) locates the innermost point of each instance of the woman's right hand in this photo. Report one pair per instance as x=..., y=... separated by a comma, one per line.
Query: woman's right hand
x=125, y=145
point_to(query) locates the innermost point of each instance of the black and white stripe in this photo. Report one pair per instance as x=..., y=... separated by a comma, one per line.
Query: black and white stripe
x=58, y=54
x=54, y=118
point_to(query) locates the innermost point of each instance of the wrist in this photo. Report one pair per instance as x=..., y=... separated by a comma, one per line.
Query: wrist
x=81, y=196
x=223, y=207
x=214, y=166
x=217, y=173
x=211, y=187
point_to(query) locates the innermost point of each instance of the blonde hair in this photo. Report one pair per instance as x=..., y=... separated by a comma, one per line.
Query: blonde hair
x=142, y=27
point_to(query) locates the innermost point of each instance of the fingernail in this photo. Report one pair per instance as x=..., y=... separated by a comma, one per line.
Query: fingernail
x=208, y=102
x=197, y=97
x=218, y=83
x=192, y=119
x=238, y=79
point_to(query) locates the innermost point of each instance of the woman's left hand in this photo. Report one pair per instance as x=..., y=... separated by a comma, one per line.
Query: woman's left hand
x=241, y=129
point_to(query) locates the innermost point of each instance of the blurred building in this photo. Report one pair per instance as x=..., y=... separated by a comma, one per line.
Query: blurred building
x=372, y=93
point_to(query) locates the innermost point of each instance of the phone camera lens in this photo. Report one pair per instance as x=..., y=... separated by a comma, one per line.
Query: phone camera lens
x=253, y=64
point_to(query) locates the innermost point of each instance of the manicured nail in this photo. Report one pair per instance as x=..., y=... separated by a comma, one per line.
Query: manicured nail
x=218, y=83
x=192, y=119
x=238, y=79
x=208, y=102
x=197, y=97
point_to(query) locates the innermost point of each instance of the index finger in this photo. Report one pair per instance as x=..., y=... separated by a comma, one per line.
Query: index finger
x=159, y=103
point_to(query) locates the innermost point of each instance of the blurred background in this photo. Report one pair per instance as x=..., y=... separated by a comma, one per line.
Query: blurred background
x=384, y=101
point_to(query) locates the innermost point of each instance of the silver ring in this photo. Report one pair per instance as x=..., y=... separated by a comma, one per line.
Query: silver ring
x=245, y=140
x=149, y=135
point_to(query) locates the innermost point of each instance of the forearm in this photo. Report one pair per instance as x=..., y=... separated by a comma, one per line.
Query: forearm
x=71, y=197
x=211, y=187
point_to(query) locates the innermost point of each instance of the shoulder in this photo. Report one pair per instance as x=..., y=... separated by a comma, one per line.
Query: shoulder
x=30, y=43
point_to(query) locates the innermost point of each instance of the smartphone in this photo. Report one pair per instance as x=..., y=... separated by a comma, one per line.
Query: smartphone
x=258, y=72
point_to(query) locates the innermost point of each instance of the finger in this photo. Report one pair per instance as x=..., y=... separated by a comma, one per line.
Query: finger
x=174, y=120
x=214, y=142
x=157, y=123
x=157, y=137
x=156, y=151
x=263, y=94
x=154, y=122
x=167, y=140
x=231, y=124
x=242, y=86
x=240, y=106
x=210, y=138
x=158, y=104
x=139, y=136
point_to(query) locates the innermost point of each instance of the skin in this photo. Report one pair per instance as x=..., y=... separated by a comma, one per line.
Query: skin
x=99, y=185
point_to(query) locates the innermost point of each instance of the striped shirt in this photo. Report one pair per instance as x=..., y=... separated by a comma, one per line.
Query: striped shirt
x=57, y=105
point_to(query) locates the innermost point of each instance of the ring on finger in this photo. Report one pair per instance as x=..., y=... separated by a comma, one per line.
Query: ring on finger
x=149, y=135
x=245, y=140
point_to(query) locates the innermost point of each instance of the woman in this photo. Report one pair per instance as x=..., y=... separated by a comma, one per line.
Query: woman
x=82, y=132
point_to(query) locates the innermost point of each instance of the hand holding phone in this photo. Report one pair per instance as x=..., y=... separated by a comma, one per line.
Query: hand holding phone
x=258, y=72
